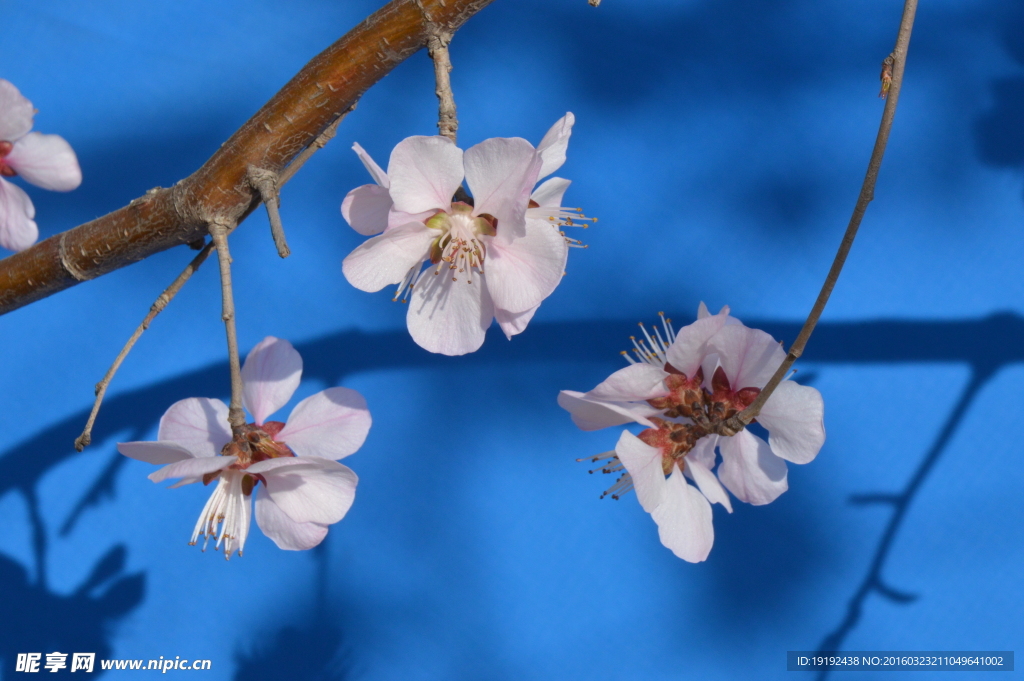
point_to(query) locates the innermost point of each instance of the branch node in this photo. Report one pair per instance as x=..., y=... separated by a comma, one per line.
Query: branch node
x=266, y=183
x=66, y=262
x=886, y=76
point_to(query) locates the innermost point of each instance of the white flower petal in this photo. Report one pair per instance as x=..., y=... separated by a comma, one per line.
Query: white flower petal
x=552, y=148
x=704, y=452
x=270, y=375
x=635, y=383
x=690, y=347
x=192, y=468
x=522, y=273
x=159, y=453
x=513, y=323
x=296, y=462
x=593, y=415
x=748, y=356
x=449, y=317
x=684, y=520
x=331, y=424
x=386, y=259
x=46, y=161
x=500, y=173
x=397, y=218
x=199, y=424
x=16, y=113
x=367, y=209
x=18, y=230
x=319, y=491
x=794, y=417
x=549, y=194
x=424, y=173
x=643, y=463
x=376, y=172
x=697, y=466
x=285, y=532
x=619, y=399
x=749, y=469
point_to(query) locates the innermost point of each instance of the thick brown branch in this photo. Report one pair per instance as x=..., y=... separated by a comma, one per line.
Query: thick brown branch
x=219, y=190
x=867, y=193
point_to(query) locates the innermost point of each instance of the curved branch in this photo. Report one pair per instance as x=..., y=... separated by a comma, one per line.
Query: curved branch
x=897, y=61
x=167, y=217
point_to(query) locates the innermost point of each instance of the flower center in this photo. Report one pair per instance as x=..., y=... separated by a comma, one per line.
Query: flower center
x=702, y=410
x=689, y=411
x=6, y=170
x=252, y=444
x=460, y=244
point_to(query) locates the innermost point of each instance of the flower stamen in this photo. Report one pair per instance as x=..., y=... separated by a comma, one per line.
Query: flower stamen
x=612, y=464
x=225, y=516
x=560, y=216
x=653, y=350
x=410, y=280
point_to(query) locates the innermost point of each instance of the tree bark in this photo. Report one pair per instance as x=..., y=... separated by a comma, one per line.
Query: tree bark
x=166, y=217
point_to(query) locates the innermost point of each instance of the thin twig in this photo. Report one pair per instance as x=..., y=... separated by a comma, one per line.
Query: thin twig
x=265, y=182
x=269, y=183
x=437, y=48
x=83, y=440
x=219, y=233
x=867, y=193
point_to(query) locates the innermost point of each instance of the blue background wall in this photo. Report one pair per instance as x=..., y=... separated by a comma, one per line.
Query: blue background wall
x=722, y=145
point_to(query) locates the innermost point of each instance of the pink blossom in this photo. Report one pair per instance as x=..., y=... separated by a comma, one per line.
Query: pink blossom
x=304, y=489
x=681, y=385
x=494, y=256
x=46, y=161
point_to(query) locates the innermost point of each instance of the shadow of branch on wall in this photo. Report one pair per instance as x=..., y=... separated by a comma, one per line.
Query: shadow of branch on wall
x=985, y=345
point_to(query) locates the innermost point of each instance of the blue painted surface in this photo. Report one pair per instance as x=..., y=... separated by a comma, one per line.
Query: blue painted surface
x=722, y=146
